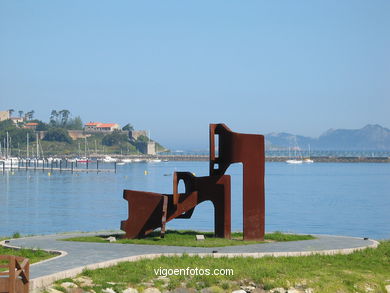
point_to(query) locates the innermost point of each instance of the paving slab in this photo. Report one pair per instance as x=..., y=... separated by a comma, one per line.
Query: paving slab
x=76, y=256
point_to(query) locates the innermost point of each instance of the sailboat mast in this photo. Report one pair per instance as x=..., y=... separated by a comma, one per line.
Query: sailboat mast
x=28, y=140
x=37, y=147
x=7, y=151
x=10, y=146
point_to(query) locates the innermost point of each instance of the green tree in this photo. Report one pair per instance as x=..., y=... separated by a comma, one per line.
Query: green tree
x=6, y=125
x=54, y=118
x=142, y=138
x=128, y=127
x=30, y=115
x=20, y=113
x=64, y=117
x=58, y=134
x=75, y=123
x=115, y=138
x=10, y=111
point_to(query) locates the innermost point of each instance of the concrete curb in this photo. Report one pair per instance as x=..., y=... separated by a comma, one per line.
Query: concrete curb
x=59, y=253
x=45, y=281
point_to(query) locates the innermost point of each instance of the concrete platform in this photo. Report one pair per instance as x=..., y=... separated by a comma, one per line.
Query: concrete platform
x=74, y=257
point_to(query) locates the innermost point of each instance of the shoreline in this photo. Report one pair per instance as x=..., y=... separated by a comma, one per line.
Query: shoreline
x=319, y=159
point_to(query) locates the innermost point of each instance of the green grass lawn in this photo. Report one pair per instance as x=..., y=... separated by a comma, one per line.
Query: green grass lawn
x=187, y=238
x=33, y=255
x=363, y=271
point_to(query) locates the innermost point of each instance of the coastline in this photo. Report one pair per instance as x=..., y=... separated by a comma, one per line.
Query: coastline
x=319, y=159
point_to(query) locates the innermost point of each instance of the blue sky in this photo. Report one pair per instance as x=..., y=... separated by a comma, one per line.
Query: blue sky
x=173, y=67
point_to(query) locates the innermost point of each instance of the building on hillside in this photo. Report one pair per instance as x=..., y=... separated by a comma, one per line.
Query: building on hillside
x=4, y=115
x=146, y=147
x=151, y=148
x=17, y=120
x=91, y=126
x=101, y=127
x=31, y=125
x=108, y=127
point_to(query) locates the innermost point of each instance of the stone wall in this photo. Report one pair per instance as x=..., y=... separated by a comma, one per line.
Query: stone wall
x=76, y=134
x=134, y=134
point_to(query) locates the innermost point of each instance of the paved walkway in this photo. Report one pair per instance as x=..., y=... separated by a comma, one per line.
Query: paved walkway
x=77, y=256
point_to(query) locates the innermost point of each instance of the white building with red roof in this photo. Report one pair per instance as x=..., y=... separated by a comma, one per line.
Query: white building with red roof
x=31, y=125
x=101, y=127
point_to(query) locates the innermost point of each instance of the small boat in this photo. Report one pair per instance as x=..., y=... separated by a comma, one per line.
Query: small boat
x=127, y=160
x=120, y=163
x=293, y=161
x=84, y=160
x=37, y=161
x=9, y=162
x=108, y=159
x=156, y=160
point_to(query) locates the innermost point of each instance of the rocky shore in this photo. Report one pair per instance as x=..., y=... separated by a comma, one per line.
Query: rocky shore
x=86, y=285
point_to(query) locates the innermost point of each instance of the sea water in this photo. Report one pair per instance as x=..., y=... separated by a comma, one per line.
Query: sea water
x=323, y=198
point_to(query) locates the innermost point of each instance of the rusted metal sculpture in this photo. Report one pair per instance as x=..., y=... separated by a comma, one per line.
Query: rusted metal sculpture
x=247, y=149
x=149, y=211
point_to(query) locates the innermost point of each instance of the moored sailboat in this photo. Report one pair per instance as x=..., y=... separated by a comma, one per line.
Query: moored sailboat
x=308, y=160
x=295, y=159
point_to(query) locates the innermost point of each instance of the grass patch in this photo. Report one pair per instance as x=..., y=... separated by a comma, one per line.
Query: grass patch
x=187, y=238
x=33, y=255
x=363, y=271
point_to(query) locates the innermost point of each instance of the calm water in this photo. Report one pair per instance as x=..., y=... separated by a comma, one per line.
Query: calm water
x=326, y=198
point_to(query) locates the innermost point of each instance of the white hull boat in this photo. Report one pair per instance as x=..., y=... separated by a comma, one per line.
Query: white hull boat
x=294, y=161
x=108, y=159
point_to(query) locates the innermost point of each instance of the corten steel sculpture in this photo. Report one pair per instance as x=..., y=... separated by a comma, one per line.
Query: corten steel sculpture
x=149, y=211
x=247, y=149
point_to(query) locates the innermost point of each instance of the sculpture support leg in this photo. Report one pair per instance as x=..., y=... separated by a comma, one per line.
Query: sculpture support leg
x=253, y=206
x=222, y=214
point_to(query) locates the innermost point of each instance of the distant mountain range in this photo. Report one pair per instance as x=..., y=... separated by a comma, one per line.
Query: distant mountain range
x=370, y=137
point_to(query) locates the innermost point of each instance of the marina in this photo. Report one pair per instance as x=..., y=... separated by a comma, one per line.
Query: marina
x=55, y=165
